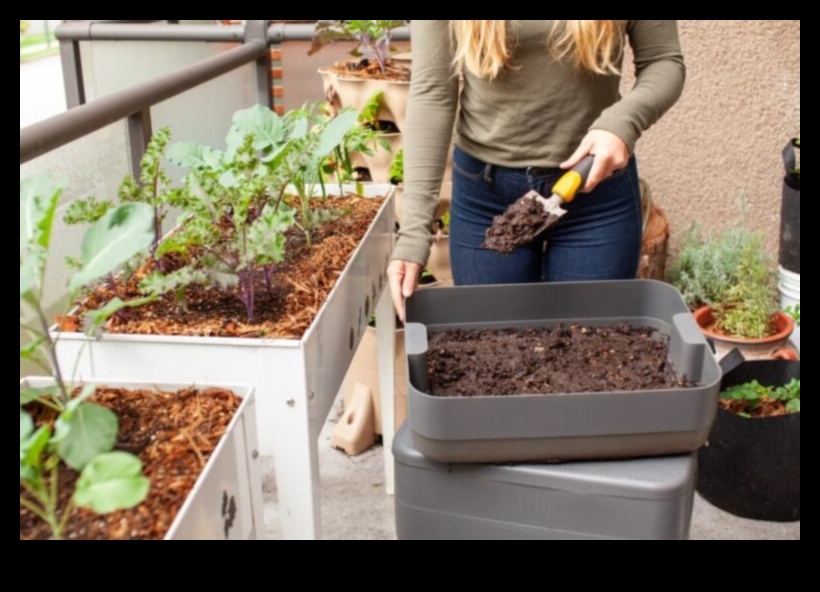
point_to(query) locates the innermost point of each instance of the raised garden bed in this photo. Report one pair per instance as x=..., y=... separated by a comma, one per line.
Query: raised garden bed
x=536, y=421
x=197, y=447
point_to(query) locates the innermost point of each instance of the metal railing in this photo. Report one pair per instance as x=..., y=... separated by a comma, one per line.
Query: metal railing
x=134, y=104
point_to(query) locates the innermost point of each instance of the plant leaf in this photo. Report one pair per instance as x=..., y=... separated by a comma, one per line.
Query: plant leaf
x=26, y=425
x=793, y=406
x=84, y=433
x=191, y=155
x=334, y=132
x=267, y=128
x=111, y=481
x=119, y=235
x=31, y=448
x=29, y=274
x=38, y=202
x=35, y=394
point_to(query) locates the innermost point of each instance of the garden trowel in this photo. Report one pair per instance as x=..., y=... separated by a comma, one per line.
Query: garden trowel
x=563, y=191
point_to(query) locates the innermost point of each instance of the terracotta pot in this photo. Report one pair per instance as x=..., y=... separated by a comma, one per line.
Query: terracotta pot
x=752, y=349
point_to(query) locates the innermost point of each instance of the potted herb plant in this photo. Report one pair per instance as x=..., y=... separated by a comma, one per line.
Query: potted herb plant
x=387, y=142
x=352, y=83
x=121, y=461
x=269, y=279
x=751, y=464
x=729, y=283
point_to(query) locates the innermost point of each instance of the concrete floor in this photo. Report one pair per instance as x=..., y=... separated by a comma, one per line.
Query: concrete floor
x=355, y=507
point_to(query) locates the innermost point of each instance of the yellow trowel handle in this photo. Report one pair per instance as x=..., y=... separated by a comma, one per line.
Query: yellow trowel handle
x=574, y=179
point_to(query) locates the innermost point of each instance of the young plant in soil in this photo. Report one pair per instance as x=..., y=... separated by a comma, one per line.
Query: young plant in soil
x=397, y=168
x=373, y=38
x=236, y=201
x=68, y=428
x=755, y=400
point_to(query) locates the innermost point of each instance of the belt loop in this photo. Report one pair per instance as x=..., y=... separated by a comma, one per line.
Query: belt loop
x=488, y=173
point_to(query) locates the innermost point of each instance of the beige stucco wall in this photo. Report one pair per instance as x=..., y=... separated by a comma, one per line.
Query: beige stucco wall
x=721, y=143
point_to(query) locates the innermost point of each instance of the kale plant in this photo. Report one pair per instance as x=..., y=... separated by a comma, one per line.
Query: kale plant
x=751, y=395
x=373, y=38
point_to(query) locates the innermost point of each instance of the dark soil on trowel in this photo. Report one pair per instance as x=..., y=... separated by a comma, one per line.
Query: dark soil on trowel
x=172, y=433
x=573, y=359
x=516, y=227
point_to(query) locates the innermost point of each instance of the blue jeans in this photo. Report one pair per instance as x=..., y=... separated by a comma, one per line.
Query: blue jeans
x=598, y=239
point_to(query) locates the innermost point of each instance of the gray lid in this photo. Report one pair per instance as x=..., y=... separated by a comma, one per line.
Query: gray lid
x=649, y=478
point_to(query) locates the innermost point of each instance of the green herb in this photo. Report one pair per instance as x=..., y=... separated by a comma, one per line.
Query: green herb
x=397, y=168
x=752, y=395
x=732, y=274
x=794, y=312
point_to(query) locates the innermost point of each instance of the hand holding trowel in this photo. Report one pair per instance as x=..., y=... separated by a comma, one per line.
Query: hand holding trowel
x=531, y=214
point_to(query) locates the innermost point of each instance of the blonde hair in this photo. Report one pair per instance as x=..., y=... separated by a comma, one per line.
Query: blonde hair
x=483, y=48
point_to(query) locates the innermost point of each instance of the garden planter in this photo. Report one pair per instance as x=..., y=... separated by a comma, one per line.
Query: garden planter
x=226, y=500
x=763, y=348
x=347, y=91
x=646, y=499
x=561, y=426
x=296, y=380
x=751, y=466
x=380, y=162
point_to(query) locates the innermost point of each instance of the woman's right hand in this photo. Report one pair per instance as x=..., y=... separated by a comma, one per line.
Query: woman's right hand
x=403, y=277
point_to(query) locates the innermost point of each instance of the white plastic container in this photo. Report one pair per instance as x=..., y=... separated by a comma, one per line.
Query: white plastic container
x=789, y=286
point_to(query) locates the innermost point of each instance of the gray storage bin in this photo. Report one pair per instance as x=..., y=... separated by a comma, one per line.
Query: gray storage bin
x=518, y=428
x=646, y=499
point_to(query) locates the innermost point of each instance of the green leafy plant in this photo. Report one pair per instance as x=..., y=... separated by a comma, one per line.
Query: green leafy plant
x=77, y=432
x=731, y=273
x=746, y=307
x=236, y=212
x=794, y=312
x=751, y=396
x=153, y=188
x=397, y=168
x=374, y=38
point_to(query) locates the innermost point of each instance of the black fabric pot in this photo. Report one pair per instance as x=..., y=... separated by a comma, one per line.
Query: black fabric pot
x=790, y=212
x=751, y=466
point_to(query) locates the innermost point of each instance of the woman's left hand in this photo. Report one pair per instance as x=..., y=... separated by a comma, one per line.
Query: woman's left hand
x=611, y=153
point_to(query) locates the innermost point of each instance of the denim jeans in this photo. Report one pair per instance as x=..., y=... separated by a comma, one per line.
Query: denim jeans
x=598, y=239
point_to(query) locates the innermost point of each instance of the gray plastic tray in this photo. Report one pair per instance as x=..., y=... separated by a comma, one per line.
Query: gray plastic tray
x=520, y=428
x=644, y=499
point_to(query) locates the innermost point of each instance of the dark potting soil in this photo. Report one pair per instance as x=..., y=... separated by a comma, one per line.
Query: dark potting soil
x=516, y=227
x=563, y=359
x=172, y=433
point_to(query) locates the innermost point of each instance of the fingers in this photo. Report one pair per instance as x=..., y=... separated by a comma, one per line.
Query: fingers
x=403, y=279
x=600, y=171
x=411, y=279
x=583, y=150
x=395, y=278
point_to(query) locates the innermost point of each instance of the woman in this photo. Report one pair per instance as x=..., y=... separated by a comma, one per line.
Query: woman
x=537, y=97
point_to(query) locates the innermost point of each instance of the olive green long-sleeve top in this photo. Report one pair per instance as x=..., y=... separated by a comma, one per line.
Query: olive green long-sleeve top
x=535, y=113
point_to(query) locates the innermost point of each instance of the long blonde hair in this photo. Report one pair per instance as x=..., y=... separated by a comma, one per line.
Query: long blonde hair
x=483, y=48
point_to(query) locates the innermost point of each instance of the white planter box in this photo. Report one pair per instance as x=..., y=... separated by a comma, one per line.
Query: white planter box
x=232, y=471
x=296, y=381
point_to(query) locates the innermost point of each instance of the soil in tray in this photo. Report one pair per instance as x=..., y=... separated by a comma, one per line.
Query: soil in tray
x=173, y=434
x=299, y=288
x=573, y=359
x=371, y=70
x=516, y=227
